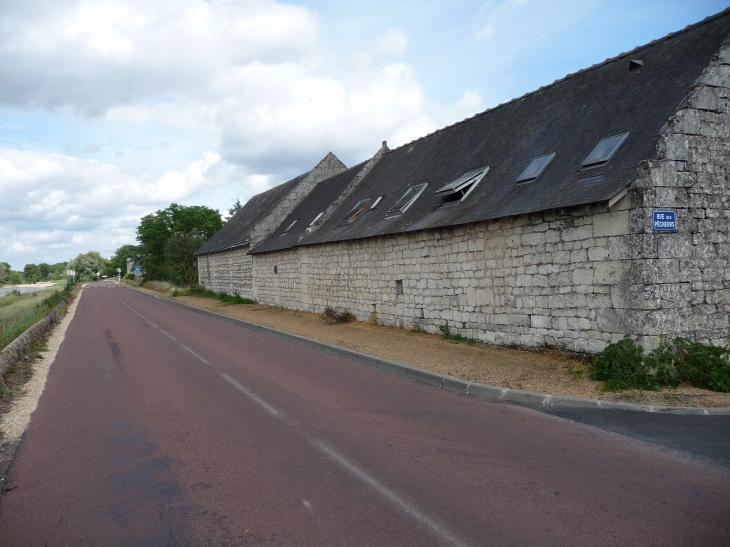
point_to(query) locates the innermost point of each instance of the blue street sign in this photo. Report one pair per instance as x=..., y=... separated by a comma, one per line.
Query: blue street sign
x=138, y=268
x=664, y=221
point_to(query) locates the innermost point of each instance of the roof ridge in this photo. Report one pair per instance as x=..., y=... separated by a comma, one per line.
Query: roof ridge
x=567, y=77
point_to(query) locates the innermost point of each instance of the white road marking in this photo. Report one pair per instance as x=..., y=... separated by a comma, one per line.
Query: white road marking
x=151, y=323
x=407, y=508
x=251, y=394
x=168, y=335
x=195, y=354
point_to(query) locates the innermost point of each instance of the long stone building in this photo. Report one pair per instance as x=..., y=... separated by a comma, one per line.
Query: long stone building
x=594, y=207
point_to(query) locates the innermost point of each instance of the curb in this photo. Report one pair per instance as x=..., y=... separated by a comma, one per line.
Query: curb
x=451, y=383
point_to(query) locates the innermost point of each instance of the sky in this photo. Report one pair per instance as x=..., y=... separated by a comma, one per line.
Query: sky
x=111, y=110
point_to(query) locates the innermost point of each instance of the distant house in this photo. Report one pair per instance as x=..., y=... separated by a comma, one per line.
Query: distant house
x=594, y=207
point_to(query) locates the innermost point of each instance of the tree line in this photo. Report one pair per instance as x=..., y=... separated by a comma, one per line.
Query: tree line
x=166, y=243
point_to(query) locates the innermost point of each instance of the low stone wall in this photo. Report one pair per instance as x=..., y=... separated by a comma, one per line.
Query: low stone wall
x=16, y=350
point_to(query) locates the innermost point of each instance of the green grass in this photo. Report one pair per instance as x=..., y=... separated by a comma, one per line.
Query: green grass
x=24, y=311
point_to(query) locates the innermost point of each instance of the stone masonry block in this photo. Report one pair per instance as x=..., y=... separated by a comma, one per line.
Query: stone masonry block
x=676, y=147
x=719, y=76
x=703, y=98
x=609, y=272
x=611, y=224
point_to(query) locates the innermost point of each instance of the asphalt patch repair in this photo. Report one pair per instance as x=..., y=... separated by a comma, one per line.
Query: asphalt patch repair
x=547, y=371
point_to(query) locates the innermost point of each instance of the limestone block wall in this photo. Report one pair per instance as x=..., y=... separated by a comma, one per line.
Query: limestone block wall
x=228, y=272
x=683, y=280
x=532, y=280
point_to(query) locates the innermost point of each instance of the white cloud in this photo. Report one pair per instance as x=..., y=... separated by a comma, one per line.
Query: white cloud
x=188, y=100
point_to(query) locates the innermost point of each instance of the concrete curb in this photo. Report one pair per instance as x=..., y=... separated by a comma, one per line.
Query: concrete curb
x=450, y=383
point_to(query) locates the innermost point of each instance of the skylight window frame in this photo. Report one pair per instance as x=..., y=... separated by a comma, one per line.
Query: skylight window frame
x=290, y=227
x=355, y=211
x=315, y=219
x=522, y=179
x=377, y=200
x=468, y=180
x=396, y=211
x=600, y=163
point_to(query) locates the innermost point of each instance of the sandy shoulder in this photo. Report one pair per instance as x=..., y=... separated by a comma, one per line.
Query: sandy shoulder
x=14, y=423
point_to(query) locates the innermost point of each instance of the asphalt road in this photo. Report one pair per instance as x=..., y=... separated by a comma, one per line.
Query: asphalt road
x=161, y=426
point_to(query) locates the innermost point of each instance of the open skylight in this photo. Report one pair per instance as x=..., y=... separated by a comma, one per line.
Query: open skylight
x=315, y=219
x=536, y=167
x=352, y=215
x=407, y=200
x=375, y=203
x=289, y=227
x=605, y=150
x=462, y=187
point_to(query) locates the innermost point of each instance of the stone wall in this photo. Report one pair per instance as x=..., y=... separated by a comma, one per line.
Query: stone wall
x=683, y=280
x=532, y=280
x=227, y=271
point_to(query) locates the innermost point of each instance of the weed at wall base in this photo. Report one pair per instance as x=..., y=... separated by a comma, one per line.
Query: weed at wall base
x=624, y=365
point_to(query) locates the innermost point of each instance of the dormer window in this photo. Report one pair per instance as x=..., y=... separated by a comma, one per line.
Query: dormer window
x=604, y=151
x=356, y=210
x=536, y=167
x=458, y=190
x=402, y=205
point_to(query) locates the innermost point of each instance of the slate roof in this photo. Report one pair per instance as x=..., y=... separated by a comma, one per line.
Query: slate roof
x=238, y=229
x=321, y=197
x=568, y=117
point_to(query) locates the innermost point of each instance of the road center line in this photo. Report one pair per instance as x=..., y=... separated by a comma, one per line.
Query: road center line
x=195, y=354
x=151, y=323
x=396, y=500
x=246, y=391
x=171, y=337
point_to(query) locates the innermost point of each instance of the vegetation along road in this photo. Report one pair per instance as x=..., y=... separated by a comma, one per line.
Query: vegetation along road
x=163, y=426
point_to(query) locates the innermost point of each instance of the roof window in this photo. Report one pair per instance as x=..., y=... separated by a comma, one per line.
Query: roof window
x=407, y=200
x=536, y=167
x=604, y=151
x=289, y=227
x=316, y=219
x=375, y=203
x=356, y=210
x=462, y=187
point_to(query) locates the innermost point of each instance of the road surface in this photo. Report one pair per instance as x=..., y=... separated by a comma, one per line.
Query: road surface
x=160, y=426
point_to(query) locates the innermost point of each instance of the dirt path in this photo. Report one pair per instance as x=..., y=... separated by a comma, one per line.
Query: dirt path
x=546, y=372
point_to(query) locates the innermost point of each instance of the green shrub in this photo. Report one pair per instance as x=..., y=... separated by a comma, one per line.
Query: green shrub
x=624, y=365
x=456, y=337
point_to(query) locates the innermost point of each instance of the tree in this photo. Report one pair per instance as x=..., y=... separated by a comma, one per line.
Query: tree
x=45, y=269
x=14, y=278
x=155, y=230
x=180, y=263
x=31, y=273
x=234, y=209
x=119, y=260
x=4, y=271
x=87, y=265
